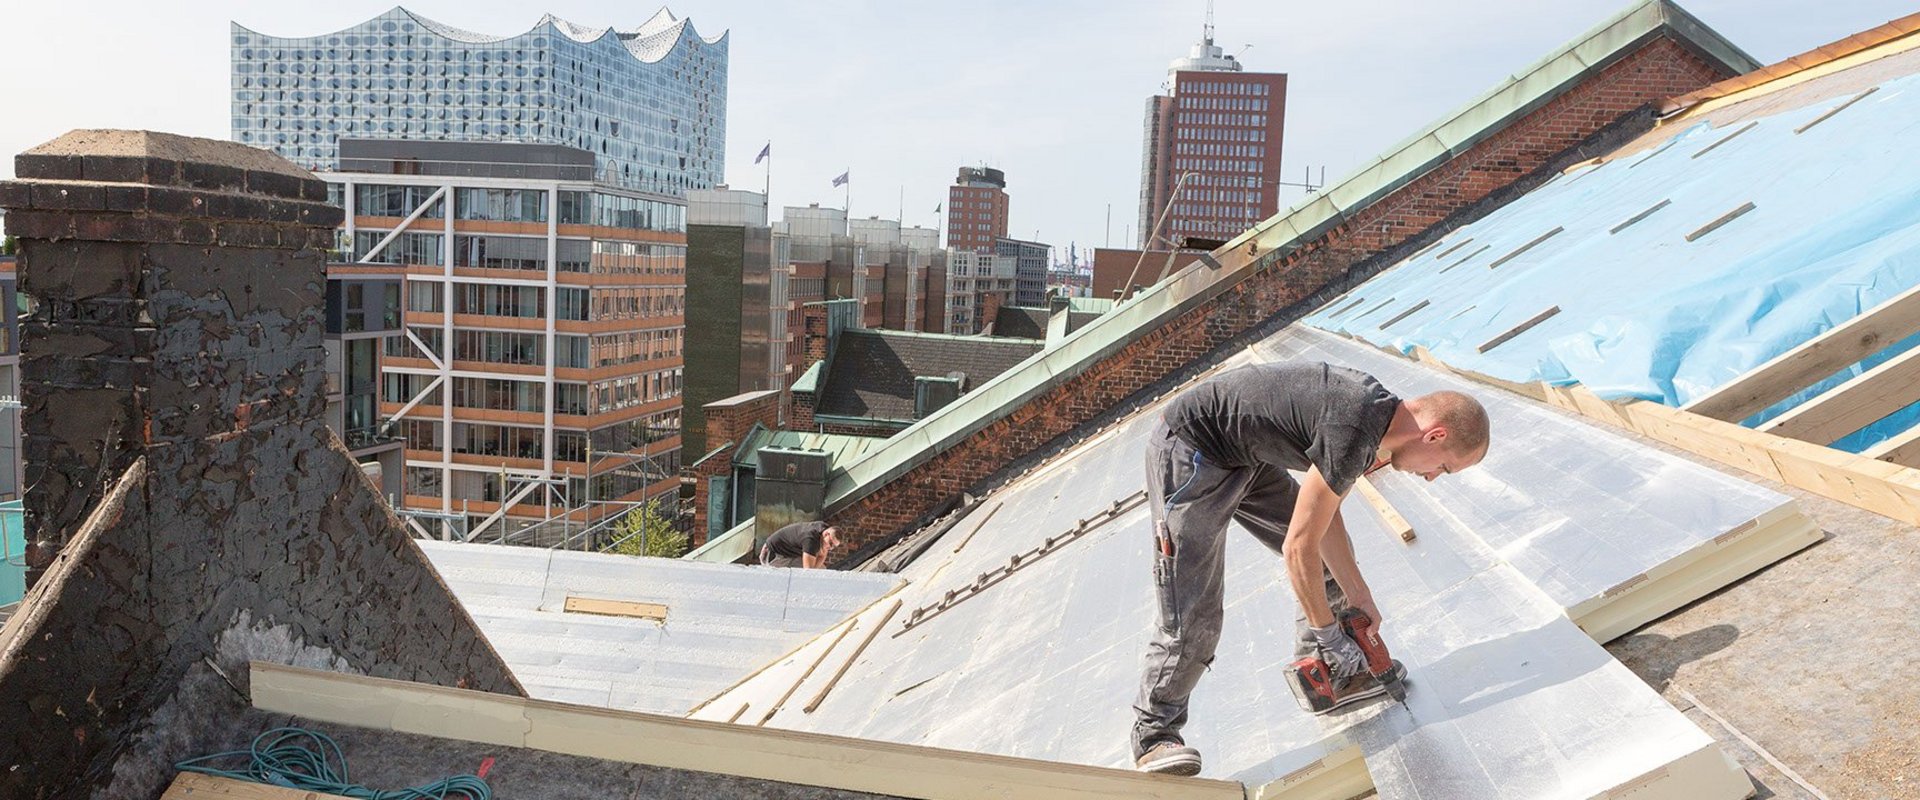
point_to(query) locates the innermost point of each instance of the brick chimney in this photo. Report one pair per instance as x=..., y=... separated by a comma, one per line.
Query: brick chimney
x=190, y=504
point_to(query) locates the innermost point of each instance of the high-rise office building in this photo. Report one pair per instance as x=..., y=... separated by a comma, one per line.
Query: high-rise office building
x=538, y=374
x=1031, y=261
x=737, y=280
x=976, y=209
x=650, y=104
x=531, y=191
x=1210, y=159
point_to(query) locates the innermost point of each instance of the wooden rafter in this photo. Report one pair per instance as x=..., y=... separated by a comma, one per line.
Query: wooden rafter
x=1823, y=355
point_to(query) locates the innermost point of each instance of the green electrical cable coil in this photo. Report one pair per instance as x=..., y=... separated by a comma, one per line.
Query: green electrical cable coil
x=298, y=758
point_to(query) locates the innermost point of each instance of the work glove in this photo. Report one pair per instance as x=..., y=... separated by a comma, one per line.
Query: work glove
x=1339, y=650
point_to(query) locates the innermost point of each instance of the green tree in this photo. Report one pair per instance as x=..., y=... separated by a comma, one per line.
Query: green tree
x=645, y=531
x=7, y=246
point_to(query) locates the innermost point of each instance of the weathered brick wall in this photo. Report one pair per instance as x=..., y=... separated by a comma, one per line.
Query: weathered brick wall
x=727, y=422
x=175, y=358
x=1434, y=202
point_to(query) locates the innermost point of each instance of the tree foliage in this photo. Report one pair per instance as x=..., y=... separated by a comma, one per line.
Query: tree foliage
x=645, y=531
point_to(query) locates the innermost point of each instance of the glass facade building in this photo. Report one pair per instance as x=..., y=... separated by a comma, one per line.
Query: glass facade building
x=649, y=104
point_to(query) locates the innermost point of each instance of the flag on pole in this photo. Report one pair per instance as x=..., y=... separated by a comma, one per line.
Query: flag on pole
x=842, y=180
x=936, y=207
x=764, y=152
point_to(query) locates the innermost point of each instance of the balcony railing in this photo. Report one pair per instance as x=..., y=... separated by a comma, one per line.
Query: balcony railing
x=363, y=438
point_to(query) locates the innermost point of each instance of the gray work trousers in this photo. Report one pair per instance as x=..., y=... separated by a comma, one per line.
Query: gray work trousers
x=1192, y=500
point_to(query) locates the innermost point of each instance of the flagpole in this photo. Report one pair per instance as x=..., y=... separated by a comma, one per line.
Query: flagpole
x=849, y=173
x=769, y=190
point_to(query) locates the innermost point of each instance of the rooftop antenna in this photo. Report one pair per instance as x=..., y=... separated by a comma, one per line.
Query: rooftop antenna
x=1208, y=36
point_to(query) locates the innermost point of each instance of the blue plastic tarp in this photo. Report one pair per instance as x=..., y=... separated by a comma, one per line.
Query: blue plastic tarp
x=1644, y=312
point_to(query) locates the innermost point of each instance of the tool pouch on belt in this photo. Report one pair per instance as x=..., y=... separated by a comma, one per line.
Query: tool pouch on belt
x=1163, y=578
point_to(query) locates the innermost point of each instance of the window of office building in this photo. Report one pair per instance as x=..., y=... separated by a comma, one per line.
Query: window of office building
x=375, y=200
x=500, y=252
x=501, y=205
x=499, y=301
x=407, y=248
x=498, y=394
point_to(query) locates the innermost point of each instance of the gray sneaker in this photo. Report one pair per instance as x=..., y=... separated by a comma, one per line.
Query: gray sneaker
x=1170, y=758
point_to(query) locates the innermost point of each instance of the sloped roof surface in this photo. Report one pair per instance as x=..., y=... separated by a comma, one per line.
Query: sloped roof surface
x=1020, y=322
x=843, y=448
x=1194, y=284
x=1509, y=698
x=1691, y=256
x=723, y=620
x=872, y=371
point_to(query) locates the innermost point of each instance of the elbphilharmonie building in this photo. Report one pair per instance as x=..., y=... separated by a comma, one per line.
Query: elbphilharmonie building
x=649, y=103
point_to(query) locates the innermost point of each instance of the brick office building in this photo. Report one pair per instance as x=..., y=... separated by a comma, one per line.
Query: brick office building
x=976, y=209
x=1221, y=127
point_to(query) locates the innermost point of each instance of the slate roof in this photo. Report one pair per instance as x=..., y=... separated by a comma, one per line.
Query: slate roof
x=1021, y=322
x=872, y=371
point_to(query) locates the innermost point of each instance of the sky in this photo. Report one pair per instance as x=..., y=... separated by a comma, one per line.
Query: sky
x=901, y=93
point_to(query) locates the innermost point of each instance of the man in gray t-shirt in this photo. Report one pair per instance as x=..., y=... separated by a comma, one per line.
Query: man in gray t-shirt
x=1223, y=451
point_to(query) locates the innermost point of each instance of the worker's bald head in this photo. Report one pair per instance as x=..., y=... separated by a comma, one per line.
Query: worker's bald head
x=1461, y=416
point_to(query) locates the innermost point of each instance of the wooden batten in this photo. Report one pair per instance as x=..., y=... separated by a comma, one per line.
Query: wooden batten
x=1887, y=489
x=1853, y=405
x=616, y=608
x=1389, y=516
x=201, y=786
x=745, y=751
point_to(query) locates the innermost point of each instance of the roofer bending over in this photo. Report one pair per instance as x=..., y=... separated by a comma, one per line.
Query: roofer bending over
x=1221, y=452
x=802, y=544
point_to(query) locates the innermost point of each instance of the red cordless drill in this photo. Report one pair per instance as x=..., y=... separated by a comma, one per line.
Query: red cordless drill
x=1315, y=681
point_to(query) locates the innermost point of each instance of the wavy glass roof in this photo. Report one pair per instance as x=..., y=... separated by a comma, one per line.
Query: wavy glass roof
x=649, y=103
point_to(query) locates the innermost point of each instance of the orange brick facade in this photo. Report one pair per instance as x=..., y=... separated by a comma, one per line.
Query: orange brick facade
x=1659, y=69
